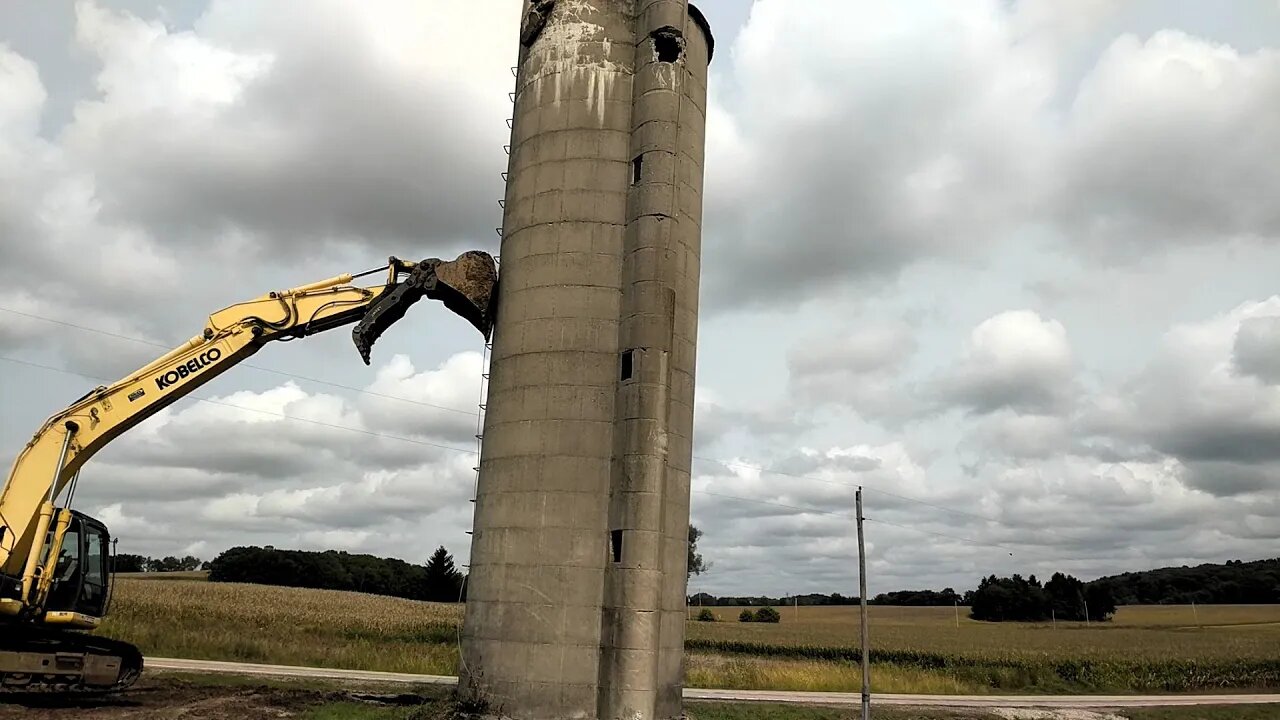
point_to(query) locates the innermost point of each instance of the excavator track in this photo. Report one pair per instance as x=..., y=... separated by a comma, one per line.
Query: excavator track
x=65, y=662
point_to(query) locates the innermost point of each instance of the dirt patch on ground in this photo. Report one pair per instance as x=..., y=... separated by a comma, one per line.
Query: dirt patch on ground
x=165, y=697
x=1021, y=714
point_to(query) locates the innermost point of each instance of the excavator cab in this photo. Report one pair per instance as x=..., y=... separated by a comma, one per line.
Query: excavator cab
x=79, y=592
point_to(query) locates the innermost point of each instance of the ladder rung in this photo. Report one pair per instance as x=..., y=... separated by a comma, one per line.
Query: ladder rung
x=512, y=95
x=506, y=149
x=515, y=69
x=502, y=204
x=511, y=122
x=504, y=175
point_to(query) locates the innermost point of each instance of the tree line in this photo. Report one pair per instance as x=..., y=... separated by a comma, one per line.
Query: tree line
x=1231, y=583
x=126, y=563
x=437, y=581
x=764, y=600
x=1026, y=600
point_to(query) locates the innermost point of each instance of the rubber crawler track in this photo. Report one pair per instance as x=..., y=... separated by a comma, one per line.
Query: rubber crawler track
x=62, y=641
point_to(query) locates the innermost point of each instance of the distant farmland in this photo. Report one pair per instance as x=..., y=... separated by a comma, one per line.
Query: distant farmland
x=918, y=649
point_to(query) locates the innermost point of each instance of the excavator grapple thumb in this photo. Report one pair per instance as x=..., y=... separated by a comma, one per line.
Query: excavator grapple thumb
x=466, y=285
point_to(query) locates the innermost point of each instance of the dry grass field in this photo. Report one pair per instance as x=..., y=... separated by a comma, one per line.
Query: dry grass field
x=1142, y=631
x=1150, y=649
x=287, y=626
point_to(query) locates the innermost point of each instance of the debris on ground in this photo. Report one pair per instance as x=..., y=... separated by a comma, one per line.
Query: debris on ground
x=1063, y=714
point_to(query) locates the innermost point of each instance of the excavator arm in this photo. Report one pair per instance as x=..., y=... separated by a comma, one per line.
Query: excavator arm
x=68, y=439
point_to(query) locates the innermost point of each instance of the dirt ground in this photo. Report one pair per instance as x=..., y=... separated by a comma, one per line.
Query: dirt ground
x=157, y=697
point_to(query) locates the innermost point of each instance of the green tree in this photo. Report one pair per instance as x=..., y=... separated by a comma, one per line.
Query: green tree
x=697, y=565
x=125, y=563
x=1102, y=604
x=767, y=615
x=706, y=615
x=746, y=616
x=442, y=580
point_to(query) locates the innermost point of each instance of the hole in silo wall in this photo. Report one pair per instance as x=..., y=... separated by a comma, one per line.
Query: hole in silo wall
x=615, y=542
x=637, y=168
x=535, y=20
x=668, y=44
x=628, y=364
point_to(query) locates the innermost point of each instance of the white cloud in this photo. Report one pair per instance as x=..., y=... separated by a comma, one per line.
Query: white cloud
x=1257, y=348
x=864, y=136
x=859, y=368
x=1191, y=403
x=302, y=133
x=1162, y=147
x=1014, y=360
x=211, y=157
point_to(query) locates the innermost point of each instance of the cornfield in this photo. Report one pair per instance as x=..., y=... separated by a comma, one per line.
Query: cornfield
x=913, y=649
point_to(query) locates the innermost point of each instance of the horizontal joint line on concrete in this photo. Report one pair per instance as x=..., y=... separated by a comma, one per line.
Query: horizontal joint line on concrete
x=511, y=235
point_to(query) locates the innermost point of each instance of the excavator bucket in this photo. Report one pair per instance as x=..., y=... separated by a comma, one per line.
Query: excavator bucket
x=466, y=285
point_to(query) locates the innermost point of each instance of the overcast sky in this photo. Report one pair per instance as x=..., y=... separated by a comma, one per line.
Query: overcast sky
x=1010, y=265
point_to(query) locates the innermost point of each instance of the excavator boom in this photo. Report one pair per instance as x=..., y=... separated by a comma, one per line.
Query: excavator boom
x=49, y=588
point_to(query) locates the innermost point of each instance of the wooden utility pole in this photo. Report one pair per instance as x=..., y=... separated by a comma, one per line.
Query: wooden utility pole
x=862, y=600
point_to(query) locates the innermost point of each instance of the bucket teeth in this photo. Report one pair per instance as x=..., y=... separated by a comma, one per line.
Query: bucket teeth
x=466, y=286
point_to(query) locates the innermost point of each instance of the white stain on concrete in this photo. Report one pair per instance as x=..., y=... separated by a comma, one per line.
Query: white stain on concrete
x=559, y=49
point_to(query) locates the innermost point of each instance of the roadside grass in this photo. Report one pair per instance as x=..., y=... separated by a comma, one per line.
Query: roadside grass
x=753, y=711
x=749, y=673
x=1205, y=712
x=914, y=650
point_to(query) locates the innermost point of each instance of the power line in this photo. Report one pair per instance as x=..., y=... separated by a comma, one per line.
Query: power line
x=725, y=463
x=907, y=498
x=850, y=485
x=321, y=423
x=246, y=365
x=848, y=516
x=942, y=535
x=371, y=433
x=775, y=504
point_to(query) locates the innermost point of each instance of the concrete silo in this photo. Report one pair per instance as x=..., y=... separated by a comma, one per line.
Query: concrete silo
x=576, y=596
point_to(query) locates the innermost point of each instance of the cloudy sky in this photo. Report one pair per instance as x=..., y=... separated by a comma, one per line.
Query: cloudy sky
x=1010, y=265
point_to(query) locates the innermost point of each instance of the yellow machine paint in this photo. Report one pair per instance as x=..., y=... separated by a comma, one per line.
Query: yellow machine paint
x=45, y=549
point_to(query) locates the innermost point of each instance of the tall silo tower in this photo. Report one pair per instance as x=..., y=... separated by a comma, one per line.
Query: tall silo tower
x=576, y=595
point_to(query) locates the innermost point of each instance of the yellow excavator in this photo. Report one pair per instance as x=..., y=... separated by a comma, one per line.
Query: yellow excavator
x=55, y=562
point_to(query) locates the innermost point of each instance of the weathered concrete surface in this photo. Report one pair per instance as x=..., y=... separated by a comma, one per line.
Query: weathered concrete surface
x=578, y=562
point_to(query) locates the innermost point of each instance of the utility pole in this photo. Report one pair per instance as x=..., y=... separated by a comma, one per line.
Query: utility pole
x=862, y=600
x=1194, y=613
x=1086, y=611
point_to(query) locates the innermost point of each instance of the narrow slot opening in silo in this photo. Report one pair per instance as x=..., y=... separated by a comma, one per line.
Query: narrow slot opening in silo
x=637, y=167
x=628, y=364
x=668, y=44
x=615, y=541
